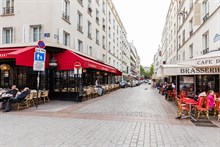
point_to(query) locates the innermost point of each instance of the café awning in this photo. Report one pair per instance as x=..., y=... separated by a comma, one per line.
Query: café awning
x=176, y=69
x=67, y=58
x=24, y=56
x=211, y=59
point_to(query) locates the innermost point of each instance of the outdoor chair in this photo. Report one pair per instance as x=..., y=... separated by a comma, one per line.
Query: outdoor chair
x=203, y=109
x=37, y=99
x=45, y=96
x=217, y=109
x=24, y=103
x=182, y=108
x=200, y=102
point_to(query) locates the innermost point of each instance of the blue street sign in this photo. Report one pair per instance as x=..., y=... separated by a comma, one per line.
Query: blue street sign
x=39, y=56
x=46, y=34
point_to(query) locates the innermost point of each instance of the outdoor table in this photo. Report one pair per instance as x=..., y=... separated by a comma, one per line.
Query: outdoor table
x=190, y=102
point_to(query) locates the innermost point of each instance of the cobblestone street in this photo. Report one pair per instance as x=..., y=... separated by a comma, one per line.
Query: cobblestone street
x=131, y=117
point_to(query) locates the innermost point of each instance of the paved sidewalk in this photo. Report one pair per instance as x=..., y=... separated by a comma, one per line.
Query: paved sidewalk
x=132, y=117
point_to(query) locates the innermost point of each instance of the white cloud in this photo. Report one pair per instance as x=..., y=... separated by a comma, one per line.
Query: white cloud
x=144, y=21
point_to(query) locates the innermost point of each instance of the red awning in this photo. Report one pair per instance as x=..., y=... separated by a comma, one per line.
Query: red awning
x=66, y=60
x=24, y=56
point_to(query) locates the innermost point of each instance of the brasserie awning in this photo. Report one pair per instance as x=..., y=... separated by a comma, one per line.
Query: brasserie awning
x=24, y=56
x=211, y=59
x=67, y=58
x=176, y=69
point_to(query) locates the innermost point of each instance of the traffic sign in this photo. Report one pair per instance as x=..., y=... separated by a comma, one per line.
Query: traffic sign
x=39, y=56
x=39, y=60
x=41, y=44
x=39, y=49
x=77, y=65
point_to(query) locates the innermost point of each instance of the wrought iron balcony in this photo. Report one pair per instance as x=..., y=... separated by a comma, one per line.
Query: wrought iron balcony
x=65, y=16
x=8, y=10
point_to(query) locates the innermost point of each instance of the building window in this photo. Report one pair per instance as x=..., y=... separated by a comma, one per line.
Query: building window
x=109, y=17
x=36, y=33
x=8, y=35
x=103, y=57
x=205, y=10
x=179, y=41
x=190, y=4
x=113, y=24
x=191, y=51
x=89, y=7
x=90, y=51
x=103, y=24
x=103, y=6
x=66, y=10
x=89, y=30
x=66, y=39
x=109, y=60
x=97, y=16
x=103, y=42
x=80, y=2
x=109, y=32
x=113, y=50
x=8, y=7
x=117, y=30
x=97, y=36
x=191, y=27
x=114, y=37
x=183, y=55
x=206, y=43
x=109, y=47
x=80, y=45
x=79, y=21
x=183, y=36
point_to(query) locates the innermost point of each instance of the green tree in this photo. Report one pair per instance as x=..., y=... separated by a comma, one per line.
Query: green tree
x=142, y=71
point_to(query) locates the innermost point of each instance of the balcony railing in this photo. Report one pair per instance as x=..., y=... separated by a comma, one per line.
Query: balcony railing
x=205, y=51
x=79, y=28
x=8, y=10
x=65, y=16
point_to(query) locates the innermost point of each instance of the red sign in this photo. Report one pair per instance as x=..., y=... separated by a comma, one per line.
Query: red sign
x=41, y=44
x=77, y=65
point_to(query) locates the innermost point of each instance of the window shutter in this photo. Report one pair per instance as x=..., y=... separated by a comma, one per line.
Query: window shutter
x=88, y=51
x=13, y=35
x=1, y=36
x=26, y=33
x=197, y=14
x=60, y=36
x=76, y=44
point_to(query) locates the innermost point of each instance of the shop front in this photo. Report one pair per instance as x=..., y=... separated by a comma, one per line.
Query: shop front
x=63, y=82
x=200, y=78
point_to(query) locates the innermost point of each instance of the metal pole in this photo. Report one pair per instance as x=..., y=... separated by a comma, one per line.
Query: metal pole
x=38, y=86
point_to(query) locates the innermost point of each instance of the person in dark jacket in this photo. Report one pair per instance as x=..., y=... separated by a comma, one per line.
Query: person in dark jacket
x=13, y=90
x=17, y=99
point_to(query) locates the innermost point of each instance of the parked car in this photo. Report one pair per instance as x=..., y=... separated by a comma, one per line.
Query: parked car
x=149, y=82
x=123, y=84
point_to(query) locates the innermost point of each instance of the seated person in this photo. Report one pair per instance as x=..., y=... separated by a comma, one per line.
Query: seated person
x=191, y=94
x=12, y=92
x=211, y=100
x=19, y=98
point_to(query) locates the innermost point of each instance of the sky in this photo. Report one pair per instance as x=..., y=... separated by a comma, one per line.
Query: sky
x=144, y=21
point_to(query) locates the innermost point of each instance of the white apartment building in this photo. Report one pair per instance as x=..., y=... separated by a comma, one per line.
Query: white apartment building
x=89, y=27
x=134, y=61
x=191, y=40
x=92, y=29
